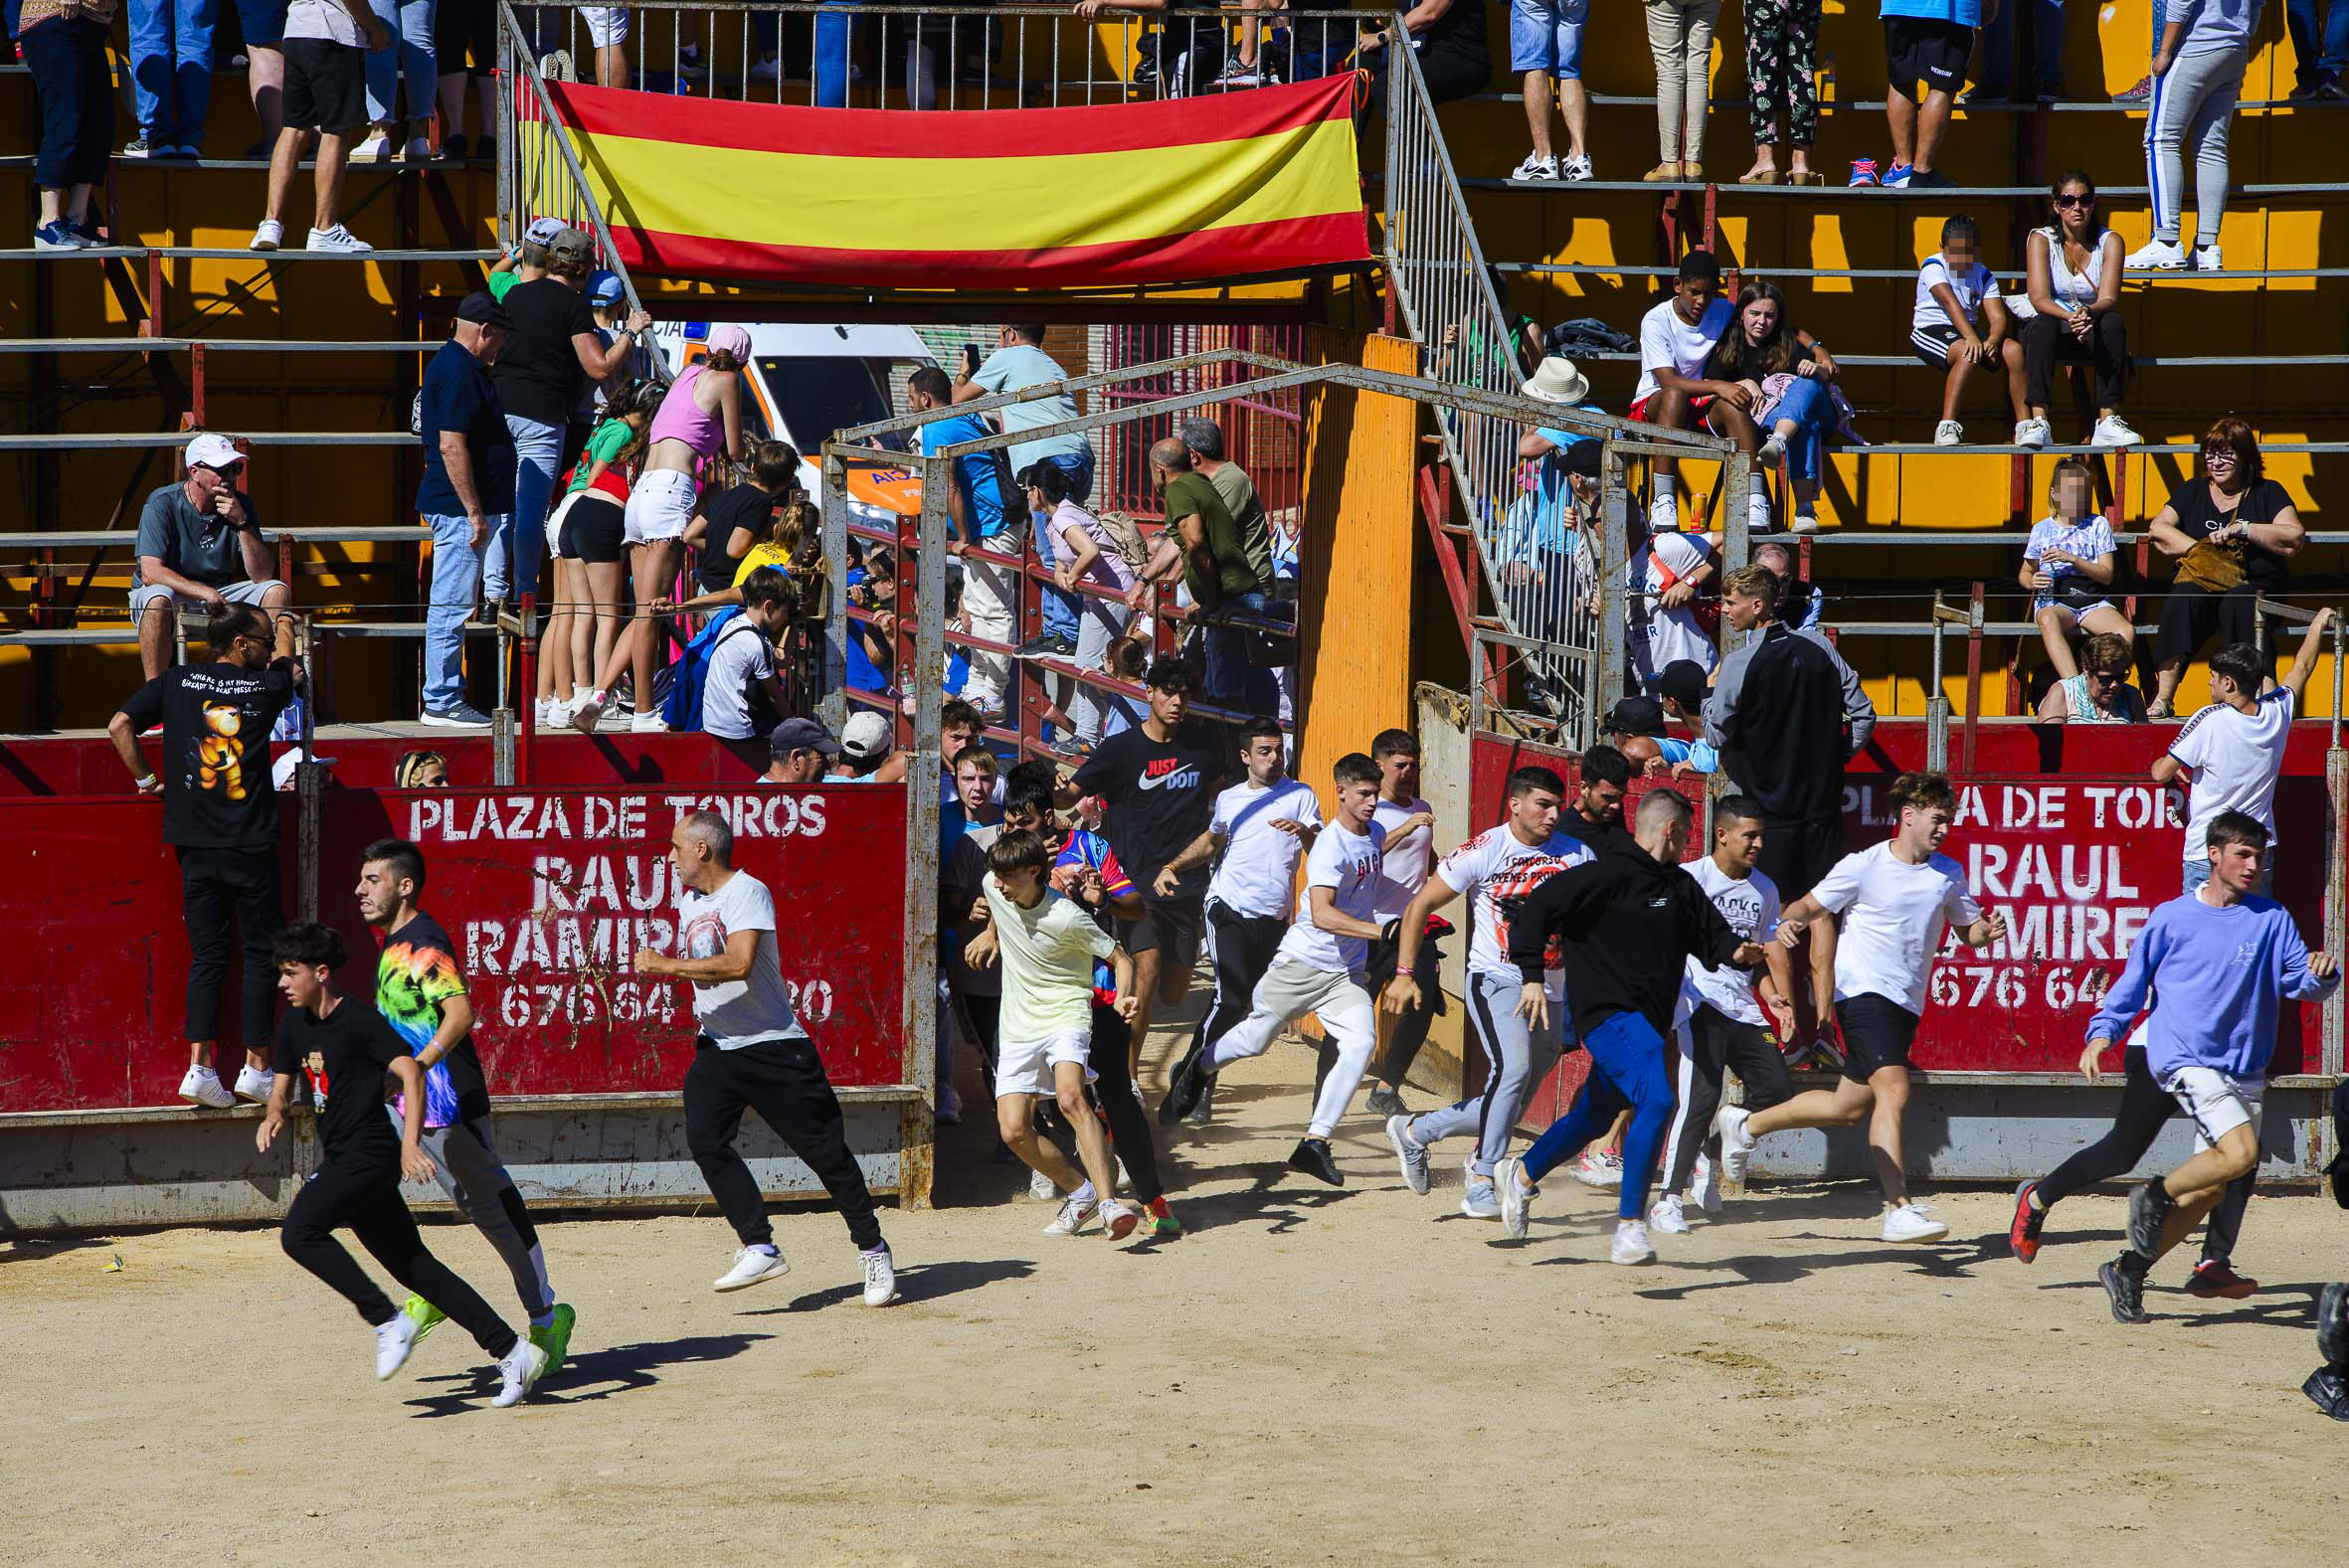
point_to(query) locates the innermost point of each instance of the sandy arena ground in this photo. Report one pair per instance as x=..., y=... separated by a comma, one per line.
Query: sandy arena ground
x=1310, y=1376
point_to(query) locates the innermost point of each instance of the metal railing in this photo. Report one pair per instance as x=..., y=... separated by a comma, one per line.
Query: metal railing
x=538, y=172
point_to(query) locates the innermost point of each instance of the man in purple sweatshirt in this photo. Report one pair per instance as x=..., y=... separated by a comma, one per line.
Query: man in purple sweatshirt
x=2219, y=960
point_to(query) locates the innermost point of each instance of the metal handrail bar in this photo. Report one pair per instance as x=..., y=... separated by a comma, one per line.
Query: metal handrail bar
x=509, y=153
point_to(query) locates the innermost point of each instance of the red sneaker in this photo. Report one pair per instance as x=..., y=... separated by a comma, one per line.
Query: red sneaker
x=2023, y=1233
x=2216, y=1276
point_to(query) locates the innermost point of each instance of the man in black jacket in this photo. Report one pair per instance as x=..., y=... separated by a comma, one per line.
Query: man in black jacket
x=1786, y=713
x=1631, y=919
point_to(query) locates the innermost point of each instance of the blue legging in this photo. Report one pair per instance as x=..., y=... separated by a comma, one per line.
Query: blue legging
x=1626, y=1069
x=1812, y=408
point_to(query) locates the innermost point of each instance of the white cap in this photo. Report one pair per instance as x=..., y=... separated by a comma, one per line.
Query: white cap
x=865, y=737
x=542, y=231
x=213, y=451
x=282, y=770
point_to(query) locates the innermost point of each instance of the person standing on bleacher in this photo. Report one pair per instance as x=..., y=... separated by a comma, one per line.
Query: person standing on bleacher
x=468, y=478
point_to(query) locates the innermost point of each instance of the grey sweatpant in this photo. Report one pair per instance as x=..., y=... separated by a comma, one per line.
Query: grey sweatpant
x=1289, y=991
x=2193, y=106
x=465, y=1163
x=1514, y=1063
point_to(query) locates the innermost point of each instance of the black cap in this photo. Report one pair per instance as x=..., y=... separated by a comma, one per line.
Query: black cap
x=1683, y=680
x=1634, y=716
x=802, y=734
x=1582, y=457
x=481, y=309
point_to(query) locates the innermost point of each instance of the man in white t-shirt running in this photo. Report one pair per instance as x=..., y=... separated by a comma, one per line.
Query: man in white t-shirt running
x=1410, y=857
x=753, y=1054
x=1895, y=899
x=1255, y=834
x=2234, y=748
x=1319, y=969
x=1496, y=870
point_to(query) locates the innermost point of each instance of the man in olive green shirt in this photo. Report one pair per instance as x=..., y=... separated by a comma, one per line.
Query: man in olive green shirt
x=1216, y=570
x=1205, y=437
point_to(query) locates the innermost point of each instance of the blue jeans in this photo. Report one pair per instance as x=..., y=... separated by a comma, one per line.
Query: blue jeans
x=509, y=566
x=834, y=39
x=409, y=23
x=171, y=69
x=2317, y=51
x=1060, y=608
x=2047, y=45
x=456, y=590
x=1626, y=1069
x=1812, y=408
x=1233, y=682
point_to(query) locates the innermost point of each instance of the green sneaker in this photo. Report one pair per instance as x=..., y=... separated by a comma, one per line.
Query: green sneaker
x=427, y=1316
x=1161, y=1227
x=555, y=1338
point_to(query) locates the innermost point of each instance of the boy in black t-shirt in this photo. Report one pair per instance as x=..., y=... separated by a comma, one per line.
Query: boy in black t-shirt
x=347, y=1048
x=220, y=813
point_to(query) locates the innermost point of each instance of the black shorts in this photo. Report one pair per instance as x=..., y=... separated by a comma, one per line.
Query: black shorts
x=1932, y=344
x=461, y=27
x=2192, y=614
x=592, y=528
x=1795, y=855
x=325, y=85
x=1168, y=926
x=1877, y=1031
x=1928, y=49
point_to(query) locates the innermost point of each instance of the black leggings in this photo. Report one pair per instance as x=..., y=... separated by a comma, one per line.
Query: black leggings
x=784, y=1081
x=1410, y=1030
x=1717, y=1042
x=1113, y=1089
x=1243, y=948
x=2144, y=1106
x=218, y=888
x=365, y=1198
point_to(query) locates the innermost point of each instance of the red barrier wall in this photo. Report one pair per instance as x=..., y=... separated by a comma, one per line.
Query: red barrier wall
x=546, y=895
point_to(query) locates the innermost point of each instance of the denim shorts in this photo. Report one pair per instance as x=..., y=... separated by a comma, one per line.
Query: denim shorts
x=1547, y=35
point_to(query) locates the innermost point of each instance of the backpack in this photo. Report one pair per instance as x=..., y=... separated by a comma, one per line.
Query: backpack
x=1132, y=547
x=689, y=679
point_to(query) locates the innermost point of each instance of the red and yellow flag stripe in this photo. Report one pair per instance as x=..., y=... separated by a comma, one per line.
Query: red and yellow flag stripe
x=1187, y=190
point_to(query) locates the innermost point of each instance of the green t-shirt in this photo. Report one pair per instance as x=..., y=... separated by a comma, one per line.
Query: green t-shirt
x=499, y=282
x=1239, y=496
x=1189, y=495
x=604, y=445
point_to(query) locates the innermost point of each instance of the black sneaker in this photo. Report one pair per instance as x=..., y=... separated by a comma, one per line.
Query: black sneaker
x=1388, y=1101
x=1203, y=1113
x=2149, y=1208
x=2331, y=1392
x=137, y=147
x=1185, y=1088
x=1312, y=1156
x=1048, y=645
x=2333, y=1325
x=2127, y=1292
x=2336, y=1177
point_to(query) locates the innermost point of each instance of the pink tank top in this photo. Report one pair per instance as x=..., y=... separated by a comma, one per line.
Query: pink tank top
x=679, y=418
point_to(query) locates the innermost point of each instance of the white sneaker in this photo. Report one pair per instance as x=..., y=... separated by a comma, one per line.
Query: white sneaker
x=1803, y=522
x=1535, y=167
x=1039, y=1187
x=518, y=1373
x=338, y=240
x=267, y=235
x=1411, y=1156
x=1574, y=168
x=1704, y=1185
x=1631, y=1243
x=543, y=712
x=377, y=148
x=750, y=1267
x=591, y=708
x=1757, y=510
x=770, y=69
x=1075, y=1214
x=1772, y=452
x=2113, y=431
x=254, y=1083
x=1948, y=434
x=2033, y=432
x=1909, y=1222
x=1736, y=1144
x=392, y=1341
x=2156, y=256
x=1116, y=1219
x=1509, y=1185
x=649, y=724
x=2206, y=259
x=1667, y=1216
x=202, y=1087
x=881, y=1276
x=1479, y=1200
x=1597, y=1168
x=1664, y=514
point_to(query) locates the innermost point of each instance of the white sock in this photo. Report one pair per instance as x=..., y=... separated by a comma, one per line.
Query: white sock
x=1084, y=1193
x=765, y=1247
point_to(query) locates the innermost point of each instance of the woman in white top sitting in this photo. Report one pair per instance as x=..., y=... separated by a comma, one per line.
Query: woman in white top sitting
x=2099, y=694
x=2067, y=565
x=2074, y=320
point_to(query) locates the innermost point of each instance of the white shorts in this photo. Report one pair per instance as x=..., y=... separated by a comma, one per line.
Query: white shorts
x=234, y=592
x=2217, y=1103
x=606, y=25
x=1024, y=1066
x=660, y=507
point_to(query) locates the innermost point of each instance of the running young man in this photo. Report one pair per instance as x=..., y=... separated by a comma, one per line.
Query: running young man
x=1631, y=920
x=1319, y=969
x=357, y=1182
x=1718, y=1023
x=1895, y=899
x=1047, y=944
x=1594, y=819
x=421, y=995
x=2217, y=961
x=752, y=1053
x=1410, y=854
x=1496, y=870
x=1255, y=834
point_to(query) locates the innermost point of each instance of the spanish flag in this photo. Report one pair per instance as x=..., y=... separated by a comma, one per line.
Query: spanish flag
x=1180, y=191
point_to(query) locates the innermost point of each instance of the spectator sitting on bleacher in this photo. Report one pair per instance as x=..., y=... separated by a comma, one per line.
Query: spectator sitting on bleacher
x=1448, y=36
x=2072, y=290
x=1788, y=376
x=326, y=47
x=420, y=771
x=65, y=46
x=1928, y=40
x=1960, y=324
x=2101, y=693
x=2231, y=533
x=1184, y=55
x=1676, y=338
x=1546, y=46
x=199, y=548
x=1800, y=602
x=2198, y=71
x=2067, y=565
